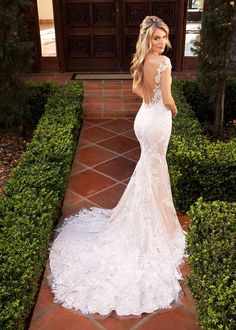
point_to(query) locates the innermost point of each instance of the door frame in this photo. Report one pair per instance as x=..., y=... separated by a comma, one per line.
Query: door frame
x=32, y=23
x=60, y=26
x=57, y=10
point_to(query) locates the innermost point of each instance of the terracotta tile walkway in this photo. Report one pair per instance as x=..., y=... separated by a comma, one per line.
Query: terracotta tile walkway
x=109, y=99
x=104, y=160
x=103, y=99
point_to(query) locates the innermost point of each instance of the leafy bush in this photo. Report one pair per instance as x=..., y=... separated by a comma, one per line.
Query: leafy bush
x=202, y=169
x=201, y=103
x=211, y=249
x=16, y=55
x=36, y=95
x=31, y=203
x=230, y=100
x=203, y=182
x=186, y=124
x=198, y=167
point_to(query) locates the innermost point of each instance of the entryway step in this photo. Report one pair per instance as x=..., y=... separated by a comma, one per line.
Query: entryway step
x=109, y=99
x=101, y=76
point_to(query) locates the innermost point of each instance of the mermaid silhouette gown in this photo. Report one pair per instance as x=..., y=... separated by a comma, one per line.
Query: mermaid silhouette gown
x=128, y=258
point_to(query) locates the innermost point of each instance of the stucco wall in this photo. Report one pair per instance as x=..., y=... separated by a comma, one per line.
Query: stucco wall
x=45, y=9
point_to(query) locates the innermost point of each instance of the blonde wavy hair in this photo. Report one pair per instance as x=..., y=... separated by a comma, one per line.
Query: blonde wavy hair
x=144, y=45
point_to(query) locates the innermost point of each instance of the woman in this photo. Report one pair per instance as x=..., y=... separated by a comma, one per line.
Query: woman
x=127, y=259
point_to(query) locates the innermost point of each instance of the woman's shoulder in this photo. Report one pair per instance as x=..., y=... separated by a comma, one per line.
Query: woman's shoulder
x=163, y=62
x=163, y=59
x=158, y=61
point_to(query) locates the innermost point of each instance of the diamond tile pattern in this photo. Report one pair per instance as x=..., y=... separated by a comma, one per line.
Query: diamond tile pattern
x=119, y=168
x=95, y=134
x=108, y=198
x=119, y=144
x=93, y=155
x=118, y=125
x=89, y=182
x=105, y=158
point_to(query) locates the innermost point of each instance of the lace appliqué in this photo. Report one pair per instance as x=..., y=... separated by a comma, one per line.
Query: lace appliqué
x=125, y=259
x=157, y=90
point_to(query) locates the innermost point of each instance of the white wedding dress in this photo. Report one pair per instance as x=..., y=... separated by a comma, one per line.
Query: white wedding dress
x=128, y=258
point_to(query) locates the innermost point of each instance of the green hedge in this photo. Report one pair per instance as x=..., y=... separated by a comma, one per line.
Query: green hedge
x=202, y=172
x=31, y=204
x=198, y=167
x=35, y=97
x=202, y=169
x=201, y=103
x=185, y=124
x=32, y=99
x=211, y=249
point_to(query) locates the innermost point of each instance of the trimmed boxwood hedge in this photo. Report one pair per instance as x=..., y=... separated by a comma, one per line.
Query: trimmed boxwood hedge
x=201, y=103
x=211, y=249
x=202, y=169
x=31, y=203
x=185, y=124
x=35, y=96
x=203, y=182
x=197, y=166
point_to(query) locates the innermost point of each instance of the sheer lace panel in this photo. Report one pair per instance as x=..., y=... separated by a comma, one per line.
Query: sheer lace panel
x=126, y=259
x=156, y=94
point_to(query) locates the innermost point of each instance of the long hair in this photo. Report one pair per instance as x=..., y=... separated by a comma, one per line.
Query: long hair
x=144, y=45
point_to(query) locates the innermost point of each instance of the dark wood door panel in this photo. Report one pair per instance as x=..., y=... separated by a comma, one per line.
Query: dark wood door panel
x=171, y=11
x=90, y=35
x=100, y=35
x=133, y=12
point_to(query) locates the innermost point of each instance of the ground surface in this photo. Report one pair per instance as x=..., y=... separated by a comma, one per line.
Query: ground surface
x=12, y=145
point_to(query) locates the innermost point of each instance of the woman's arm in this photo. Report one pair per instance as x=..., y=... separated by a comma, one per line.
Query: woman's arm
x=166, y=91
x=138, y=91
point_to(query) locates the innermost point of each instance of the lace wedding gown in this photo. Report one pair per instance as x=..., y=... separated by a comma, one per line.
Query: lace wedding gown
x=127, y=258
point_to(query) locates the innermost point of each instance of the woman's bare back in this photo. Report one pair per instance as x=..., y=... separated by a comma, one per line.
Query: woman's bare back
x=150, y=69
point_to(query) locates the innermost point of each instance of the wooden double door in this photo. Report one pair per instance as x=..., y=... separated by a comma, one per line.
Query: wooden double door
x=100, y=35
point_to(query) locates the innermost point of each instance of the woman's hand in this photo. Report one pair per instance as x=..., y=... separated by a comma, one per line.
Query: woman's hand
x=174, y=112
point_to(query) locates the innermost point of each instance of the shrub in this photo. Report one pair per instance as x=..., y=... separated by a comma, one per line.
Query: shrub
x=202, y=169
x=203, y=182
x=36, y=95
x=230, y=100
x=211, y=249
x=198, y=167
x=31, y=203
x=201, y=104
x=186, y=123
x=16, y=55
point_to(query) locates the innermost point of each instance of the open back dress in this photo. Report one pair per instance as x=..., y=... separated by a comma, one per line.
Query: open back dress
x=126, y=259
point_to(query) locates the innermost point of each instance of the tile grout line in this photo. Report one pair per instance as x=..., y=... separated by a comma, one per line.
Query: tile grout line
x=98, y=192
x=102, y=108
x=119, y=154
x=141, y=322
x=118, y=134
x=105, y=149
x=116, y=155
x=99, y=163
x=111, y=131
x=98, y=324
x=106, y=175
x=87, y=167
x=122, y=96
x=44, y=313
x=98, y=124
x=108, y=160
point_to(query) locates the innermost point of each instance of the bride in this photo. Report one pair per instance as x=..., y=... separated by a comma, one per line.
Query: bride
x=127, y=259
